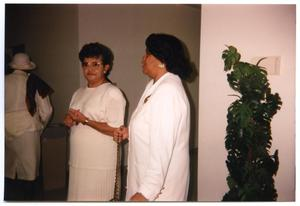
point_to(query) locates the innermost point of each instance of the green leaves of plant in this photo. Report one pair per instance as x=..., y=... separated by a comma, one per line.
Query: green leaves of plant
x=230, y=57
x=248, y=137
x=241, y=114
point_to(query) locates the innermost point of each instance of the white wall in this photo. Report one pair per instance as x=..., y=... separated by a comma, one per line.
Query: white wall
x=256, y=30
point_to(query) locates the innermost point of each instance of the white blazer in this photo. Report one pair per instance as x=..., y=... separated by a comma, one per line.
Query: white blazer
x=158, y=157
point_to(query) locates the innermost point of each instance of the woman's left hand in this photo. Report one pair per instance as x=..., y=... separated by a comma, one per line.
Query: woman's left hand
x=120, y=134
x=138, y=197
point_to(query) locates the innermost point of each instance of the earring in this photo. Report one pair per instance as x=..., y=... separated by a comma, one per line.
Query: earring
x=161, y=65
x=104, y=72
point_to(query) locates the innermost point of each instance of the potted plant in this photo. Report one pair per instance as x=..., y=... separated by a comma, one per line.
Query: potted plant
x=248, y=134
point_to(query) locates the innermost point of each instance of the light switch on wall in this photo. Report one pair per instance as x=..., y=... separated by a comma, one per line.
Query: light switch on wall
x=271, y=64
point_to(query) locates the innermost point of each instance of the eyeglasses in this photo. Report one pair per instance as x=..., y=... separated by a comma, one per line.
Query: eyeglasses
x=93, y=65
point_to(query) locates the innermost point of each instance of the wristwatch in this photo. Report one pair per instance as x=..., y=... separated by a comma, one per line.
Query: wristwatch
x=86, y=121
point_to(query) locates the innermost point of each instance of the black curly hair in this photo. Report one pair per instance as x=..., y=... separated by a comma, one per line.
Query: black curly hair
x=170, y=51
x=97, y=50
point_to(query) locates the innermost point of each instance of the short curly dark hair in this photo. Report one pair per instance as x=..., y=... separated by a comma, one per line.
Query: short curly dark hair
x=97, y=50
x=170, y=51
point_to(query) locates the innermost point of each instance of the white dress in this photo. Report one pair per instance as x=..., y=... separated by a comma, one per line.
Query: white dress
x=22, y=131
x=93, y=155
x=158, y=157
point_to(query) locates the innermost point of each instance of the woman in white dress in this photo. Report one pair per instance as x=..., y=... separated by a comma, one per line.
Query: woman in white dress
x=158, y=157
x=96, y=110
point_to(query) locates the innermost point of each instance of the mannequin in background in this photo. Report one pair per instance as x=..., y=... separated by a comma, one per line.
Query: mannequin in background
x=27, y=112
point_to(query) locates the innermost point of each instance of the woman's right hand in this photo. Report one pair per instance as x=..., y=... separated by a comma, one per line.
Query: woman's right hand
x=68, y=121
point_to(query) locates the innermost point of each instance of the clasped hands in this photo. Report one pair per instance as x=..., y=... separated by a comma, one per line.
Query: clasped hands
x=74, y=116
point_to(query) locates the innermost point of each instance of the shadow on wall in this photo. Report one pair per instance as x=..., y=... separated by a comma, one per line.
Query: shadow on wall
x=193, y=107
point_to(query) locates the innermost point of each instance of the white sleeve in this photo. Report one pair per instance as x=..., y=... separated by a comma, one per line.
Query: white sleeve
x=115, y=108
x=74, y=98
x=164, y=121
x=44, y=108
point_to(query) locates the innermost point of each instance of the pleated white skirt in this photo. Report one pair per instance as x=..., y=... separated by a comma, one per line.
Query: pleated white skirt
x=91, y=184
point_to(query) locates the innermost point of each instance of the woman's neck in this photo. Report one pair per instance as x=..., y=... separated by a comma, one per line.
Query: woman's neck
x=96, y=84
x=159, y=75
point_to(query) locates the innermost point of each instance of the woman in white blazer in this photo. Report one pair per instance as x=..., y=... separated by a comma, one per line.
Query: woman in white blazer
x=158, y=157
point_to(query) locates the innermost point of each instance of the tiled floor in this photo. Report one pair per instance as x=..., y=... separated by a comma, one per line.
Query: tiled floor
x=60, y=195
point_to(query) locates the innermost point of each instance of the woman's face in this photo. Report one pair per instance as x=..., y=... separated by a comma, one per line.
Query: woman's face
x=150, y=63
x=94, y=70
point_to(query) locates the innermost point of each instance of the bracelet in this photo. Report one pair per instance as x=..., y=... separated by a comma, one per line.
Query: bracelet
x=85, y=121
